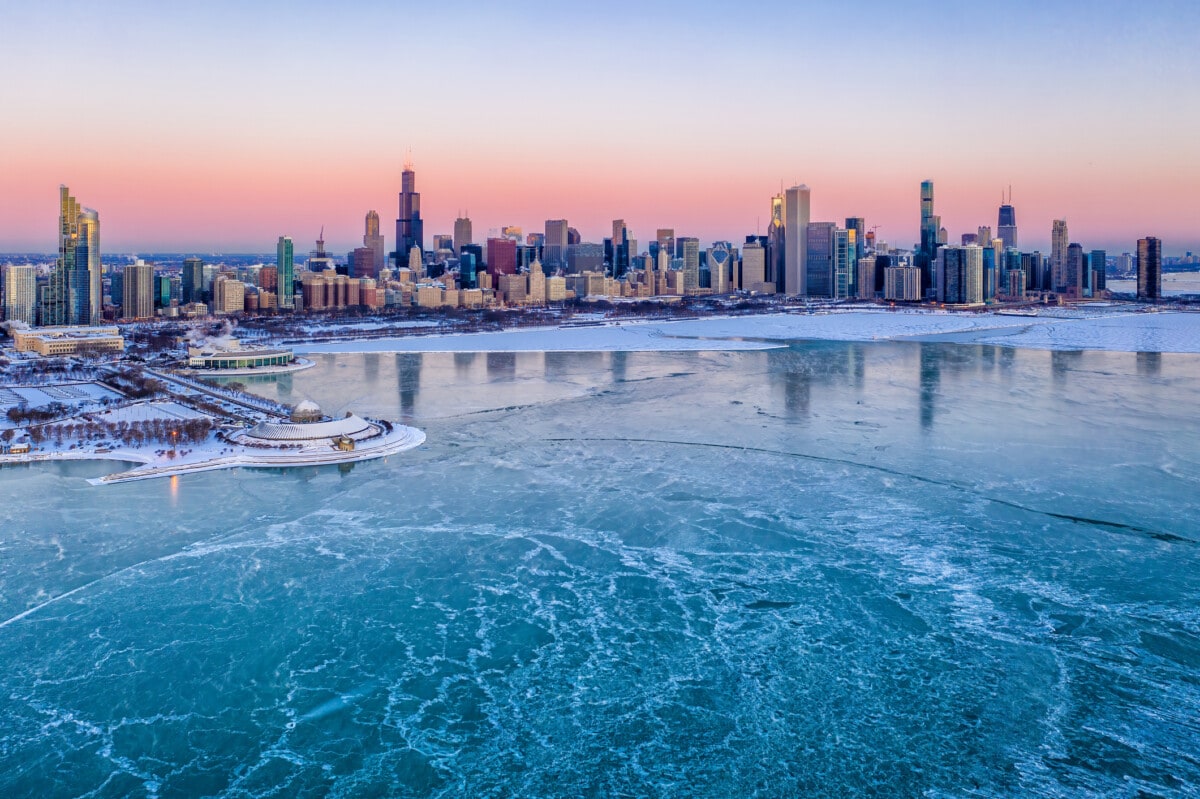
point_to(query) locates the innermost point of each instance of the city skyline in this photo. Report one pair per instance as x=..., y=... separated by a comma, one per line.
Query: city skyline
x=258, y=134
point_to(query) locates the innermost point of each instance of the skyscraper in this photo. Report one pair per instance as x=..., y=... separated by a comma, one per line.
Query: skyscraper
x=554, y=249
x=776, y=255
x=1059, y=241
x=193, y=280
x=462, y=233
x=820, y=259
x=286, y=272
x=501, y=256
x=73, y=294
x=138, y=291
x=796, y=218
x=373, y=241
x=20, y=294
x=930, y=229
x=1149, y=269
x=859, y=226
x=1098, y=264
x=1006, y=223
x=960, y=275
x=1075, y=274
x=410, y=230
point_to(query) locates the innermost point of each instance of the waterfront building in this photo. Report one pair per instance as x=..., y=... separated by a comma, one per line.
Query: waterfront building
x=691, y=264
x=960, y=275
x=410, y=230
x=20, y=294
x=373, y=241
x=795, y=240
x=1149, y=269
x=286, y=271
x=1075, y=271
x=1098, y=264
x=902, y=283
x=1015, y=283
x=865, y=284
x=1059, y=242
x=137, y=282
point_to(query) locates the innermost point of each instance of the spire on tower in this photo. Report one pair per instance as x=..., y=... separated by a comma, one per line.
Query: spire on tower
x=408, y=162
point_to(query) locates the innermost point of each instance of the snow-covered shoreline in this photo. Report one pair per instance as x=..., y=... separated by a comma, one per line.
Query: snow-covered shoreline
x=152, y=461
x=1121, y=329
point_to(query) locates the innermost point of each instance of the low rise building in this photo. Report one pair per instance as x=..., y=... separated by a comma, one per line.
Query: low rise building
x=47, y=341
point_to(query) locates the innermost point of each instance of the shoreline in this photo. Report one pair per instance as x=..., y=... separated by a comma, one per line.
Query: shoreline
x=1115, y=327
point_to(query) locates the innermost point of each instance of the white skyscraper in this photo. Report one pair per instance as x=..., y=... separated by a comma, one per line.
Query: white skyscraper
x=796, y=208
x=20, y=294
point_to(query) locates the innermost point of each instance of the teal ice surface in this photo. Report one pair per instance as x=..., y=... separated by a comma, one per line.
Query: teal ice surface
x=835, y=569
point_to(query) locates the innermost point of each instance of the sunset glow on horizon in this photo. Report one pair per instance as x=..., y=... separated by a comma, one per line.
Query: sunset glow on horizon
x=220, y=129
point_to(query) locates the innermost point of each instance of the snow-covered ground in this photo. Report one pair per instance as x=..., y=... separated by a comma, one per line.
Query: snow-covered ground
x=1103, y=329
x=66, y=393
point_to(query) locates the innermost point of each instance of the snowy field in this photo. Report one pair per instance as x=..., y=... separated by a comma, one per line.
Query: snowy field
x=1114, y=330
x=146, y=411
x=66, y=393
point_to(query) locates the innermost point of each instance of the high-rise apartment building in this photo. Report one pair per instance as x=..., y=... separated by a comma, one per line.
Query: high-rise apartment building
x=285, y=270
x=1059, y=241
x=1075, y=275
x=795, y=239
x=554, y=247
x=1006, y=223
x=373, y=240
x=410, y=230
x=1149, y=269
x=20, y=294
x=1098, y=264
x=137, y=282
x=960, y=275
x=462, y=233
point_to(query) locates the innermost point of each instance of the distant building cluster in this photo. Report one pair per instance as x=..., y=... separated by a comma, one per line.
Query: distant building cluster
x=798, y=257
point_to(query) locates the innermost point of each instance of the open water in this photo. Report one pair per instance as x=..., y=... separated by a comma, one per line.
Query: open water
x=892, y=569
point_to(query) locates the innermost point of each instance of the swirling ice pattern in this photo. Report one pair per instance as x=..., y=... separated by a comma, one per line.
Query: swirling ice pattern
x=506, y=615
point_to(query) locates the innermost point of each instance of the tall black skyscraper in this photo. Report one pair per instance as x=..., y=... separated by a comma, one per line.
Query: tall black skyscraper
x=410, y=230
x=1149, y=269
x=1006, y=224
x=930, y=224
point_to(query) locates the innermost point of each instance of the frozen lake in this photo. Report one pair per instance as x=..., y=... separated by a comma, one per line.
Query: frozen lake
x=832, y=568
